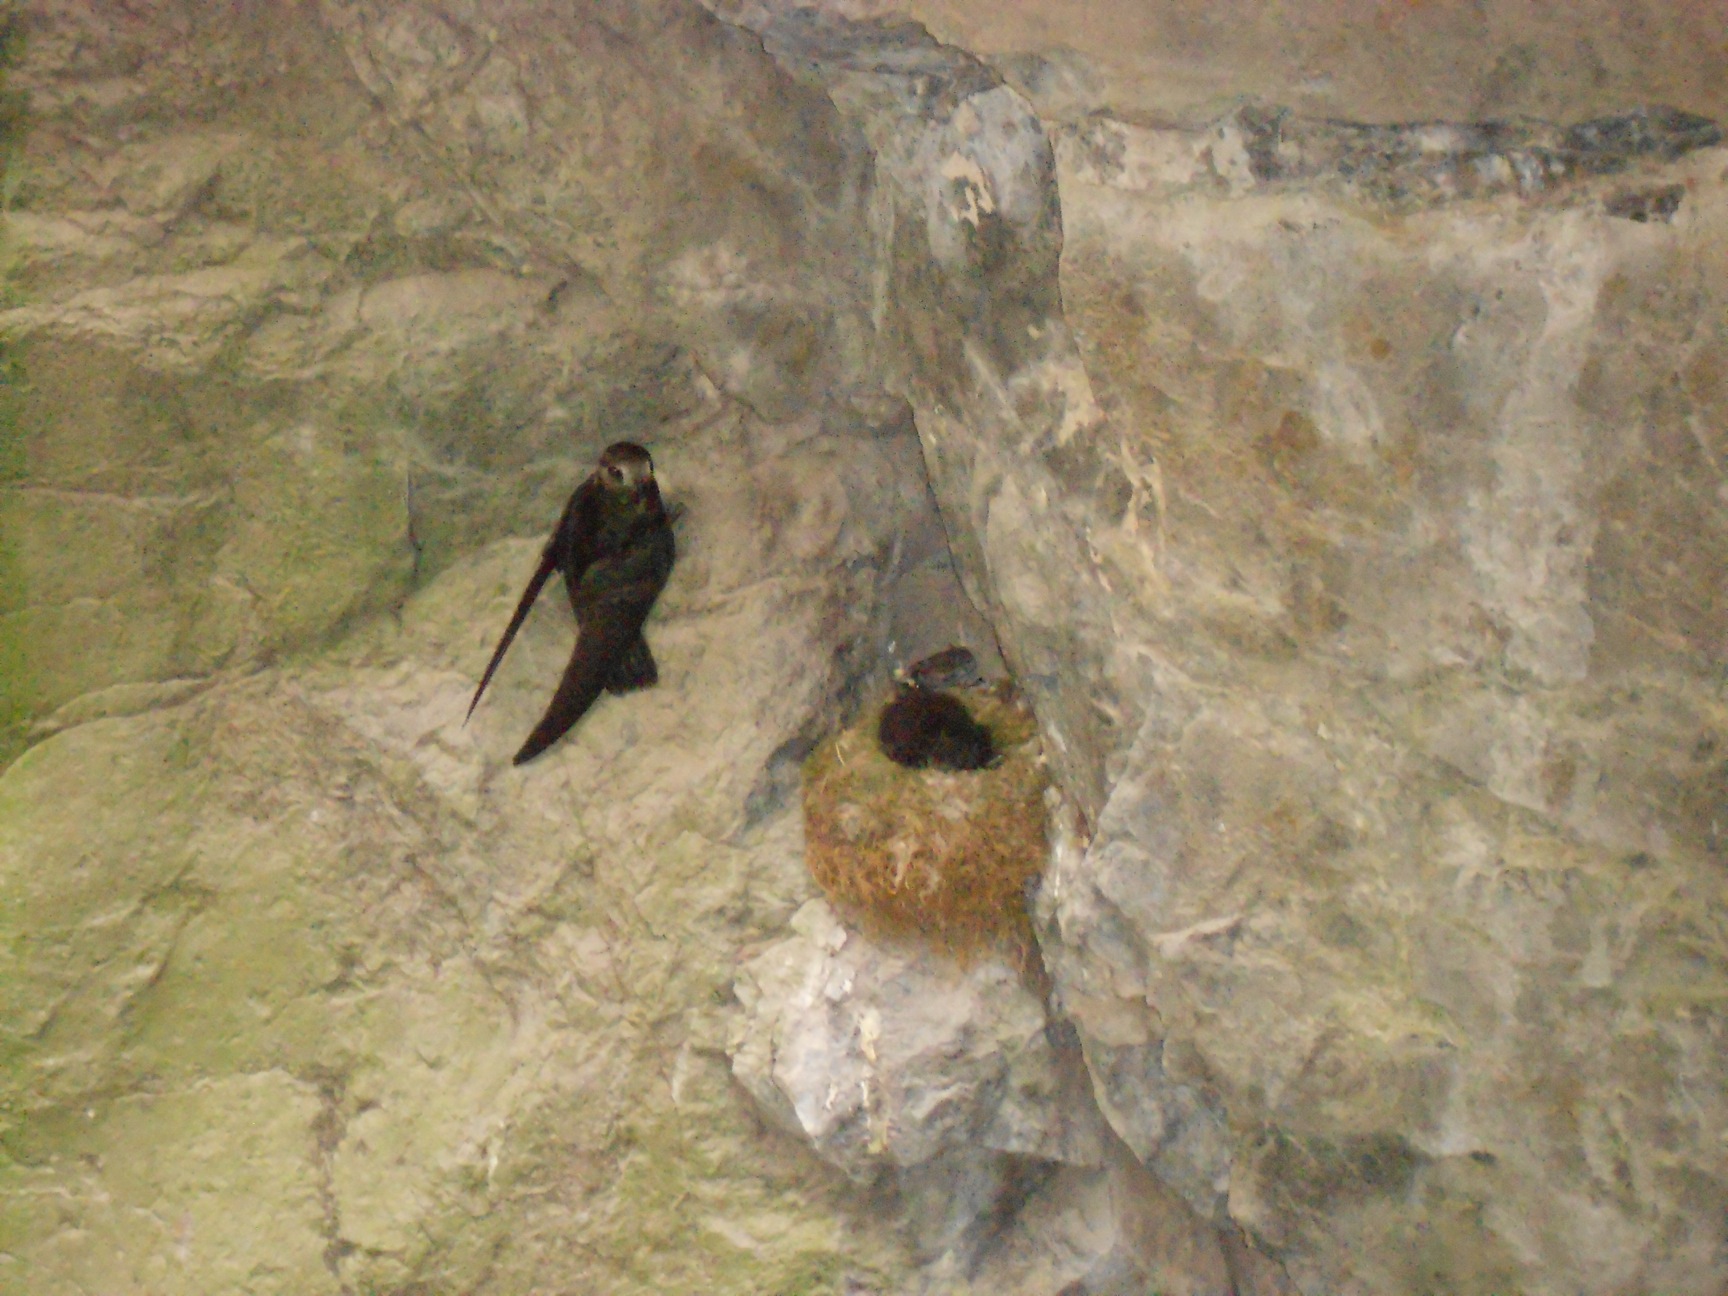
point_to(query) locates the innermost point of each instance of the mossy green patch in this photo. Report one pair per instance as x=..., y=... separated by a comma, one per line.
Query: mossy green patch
x=206, y=1190
x=320, y=534
x=91, y=900
x=14, y=103
x=16, y=685
x=12, y=459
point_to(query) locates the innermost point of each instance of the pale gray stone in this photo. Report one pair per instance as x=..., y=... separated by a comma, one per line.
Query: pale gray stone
x=884, y=1055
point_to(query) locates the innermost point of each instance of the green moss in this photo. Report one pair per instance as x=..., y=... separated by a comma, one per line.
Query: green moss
x=223, y=1163
x=1320, y=1174
x=1449, y=1248
x=16, y=690
x=16, y=684
x=12, y=458
x=14, y=104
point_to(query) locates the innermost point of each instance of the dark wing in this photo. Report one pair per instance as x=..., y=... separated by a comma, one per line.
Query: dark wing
x=548, y=564
x=570, y=545
x=608, y=629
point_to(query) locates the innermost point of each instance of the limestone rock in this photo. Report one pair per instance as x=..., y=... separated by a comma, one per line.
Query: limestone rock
x=304, y=939
x=1355, y=60
x=1337, y=458
x=895, y=1060
x=338, y=329
x=1314, y=557
x=885, y=1056
x=1346, y=594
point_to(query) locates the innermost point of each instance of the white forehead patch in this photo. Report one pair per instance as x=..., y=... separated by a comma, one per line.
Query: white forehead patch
x=635, y=473
x=625, y=468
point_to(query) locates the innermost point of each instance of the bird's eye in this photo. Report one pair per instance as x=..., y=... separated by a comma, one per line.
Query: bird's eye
x=614, y=472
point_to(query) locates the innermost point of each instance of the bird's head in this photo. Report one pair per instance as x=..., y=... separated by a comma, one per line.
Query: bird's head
x=626, y=470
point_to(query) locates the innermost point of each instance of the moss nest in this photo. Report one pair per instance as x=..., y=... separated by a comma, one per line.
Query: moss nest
x=927, y=853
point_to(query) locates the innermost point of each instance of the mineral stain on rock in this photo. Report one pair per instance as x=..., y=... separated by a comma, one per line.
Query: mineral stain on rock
x=1657, y=203
x=1432, y=160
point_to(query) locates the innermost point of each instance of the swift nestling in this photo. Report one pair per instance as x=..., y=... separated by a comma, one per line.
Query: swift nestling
x=922, y=727
x=613, y=545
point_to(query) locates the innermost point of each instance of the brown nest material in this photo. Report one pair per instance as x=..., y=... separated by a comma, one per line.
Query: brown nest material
x=945, y=856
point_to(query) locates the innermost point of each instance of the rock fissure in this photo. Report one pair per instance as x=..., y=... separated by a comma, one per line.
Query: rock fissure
x=328, y=1129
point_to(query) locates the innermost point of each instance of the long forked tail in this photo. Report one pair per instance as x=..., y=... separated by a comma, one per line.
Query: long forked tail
x=548, y=562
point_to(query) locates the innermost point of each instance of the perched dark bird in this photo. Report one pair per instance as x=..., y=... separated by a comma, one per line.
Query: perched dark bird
x=922, y=727
x=614, y=547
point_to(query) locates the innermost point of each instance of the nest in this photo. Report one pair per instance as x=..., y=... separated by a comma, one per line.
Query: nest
x=943, y=856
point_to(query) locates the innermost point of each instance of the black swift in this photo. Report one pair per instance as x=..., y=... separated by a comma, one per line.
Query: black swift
x=614, y=547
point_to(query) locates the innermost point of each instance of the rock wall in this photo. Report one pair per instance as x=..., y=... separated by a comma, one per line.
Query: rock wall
x=306, y=993
x=1361, y=60
x=311, y=994
x=1387, y=876
x=354, y=288
x=1384, y=937
x=1346, y=496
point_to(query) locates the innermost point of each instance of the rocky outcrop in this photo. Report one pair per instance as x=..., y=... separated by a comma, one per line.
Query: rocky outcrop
x=300, y=964
x=1317, y=575
x=1345, y=496
x=307, y=992
x=896, y=1061
x=1382, y=819
x=1350, y=60
x=1378, y=924
x=351, y=285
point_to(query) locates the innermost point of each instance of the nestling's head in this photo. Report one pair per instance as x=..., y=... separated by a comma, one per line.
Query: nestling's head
x=625, y=468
